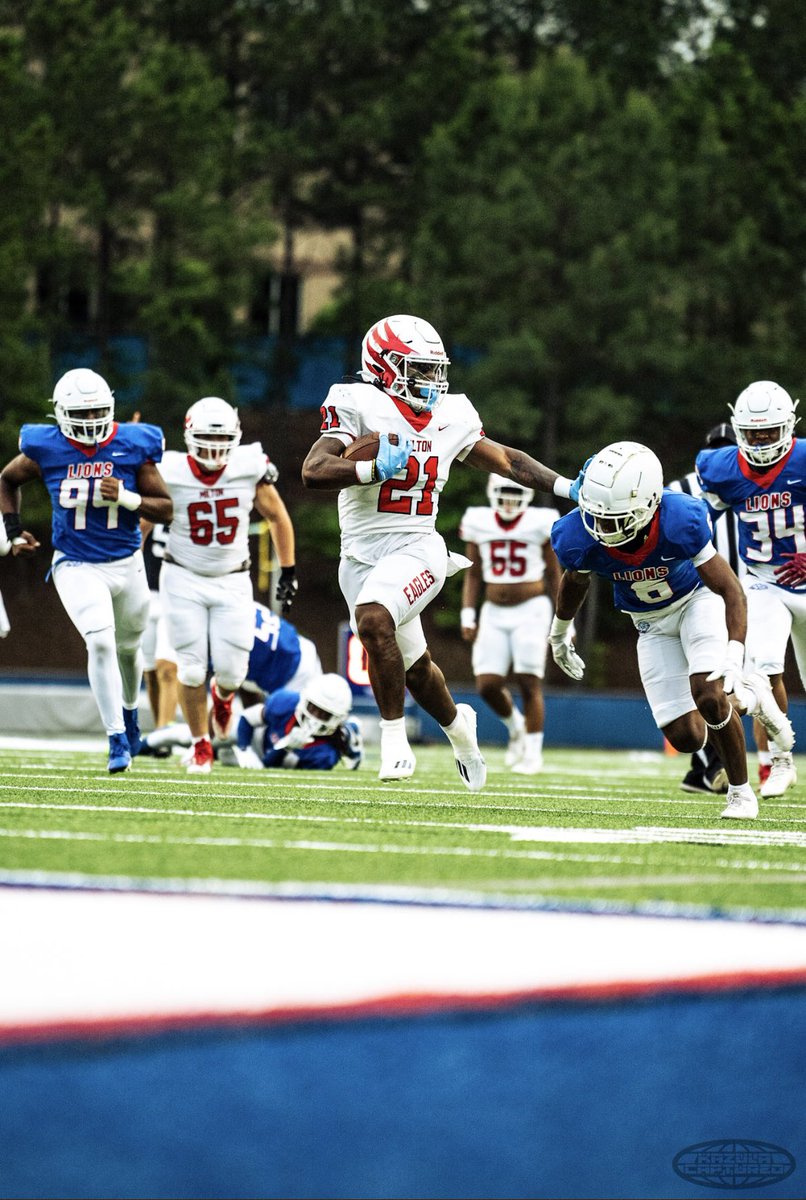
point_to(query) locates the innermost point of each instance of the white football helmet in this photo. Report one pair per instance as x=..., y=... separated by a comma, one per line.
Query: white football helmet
x=323, y=704
x=764, y=407
x=212, y=431
x=621, y=492
x=84, y=406
x=507, y=498
x=406, y=356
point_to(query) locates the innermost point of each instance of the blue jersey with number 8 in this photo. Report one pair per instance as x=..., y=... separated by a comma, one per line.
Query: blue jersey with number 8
x=660, y=572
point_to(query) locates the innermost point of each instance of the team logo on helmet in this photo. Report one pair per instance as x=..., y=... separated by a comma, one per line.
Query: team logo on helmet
x=405, y=356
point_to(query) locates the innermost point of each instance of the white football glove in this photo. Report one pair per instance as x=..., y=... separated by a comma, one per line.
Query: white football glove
x=562, y=648
x=731, y=670
x=297, y=739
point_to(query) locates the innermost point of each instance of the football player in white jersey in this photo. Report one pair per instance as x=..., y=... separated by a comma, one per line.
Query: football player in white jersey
x=393, y=562
x=205, y=581
x=509, y=544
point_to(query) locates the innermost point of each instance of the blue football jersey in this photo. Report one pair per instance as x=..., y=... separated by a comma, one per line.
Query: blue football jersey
x=278, y=713
x=658, y=574
x=769, y=503
x=275, y=652
x=86, y=527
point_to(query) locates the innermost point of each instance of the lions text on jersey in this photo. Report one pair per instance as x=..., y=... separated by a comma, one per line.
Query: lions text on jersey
x=662, y=572
x=511, y=551
x=768, y=502
x=87, y=527
x=378, y=518
x=210, y=525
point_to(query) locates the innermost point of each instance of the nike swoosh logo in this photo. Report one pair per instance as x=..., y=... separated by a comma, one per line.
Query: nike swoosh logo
x=794, y=481
x=666, y=558
x=118, y=453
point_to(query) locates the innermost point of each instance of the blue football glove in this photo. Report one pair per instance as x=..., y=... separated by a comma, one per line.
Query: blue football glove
x=578, y=482
x=391, y=459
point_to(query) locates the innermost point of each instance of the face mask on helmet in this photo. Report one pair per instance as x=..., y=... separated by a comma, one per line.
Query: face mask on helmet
x=84, y=406
x=621, y=492
x=323, y=705
x=764, y=422
x=405, y=355
x=506, y=498
x=212, y=431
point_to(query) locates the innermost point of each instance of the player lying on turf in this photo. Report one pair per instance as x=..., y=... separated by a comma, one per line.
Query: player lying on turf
x=685, y=602
x=311, y=730
x=280, y=658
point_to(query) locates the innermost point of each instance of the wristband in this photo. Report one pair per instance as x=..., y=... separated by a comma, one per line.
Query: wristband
x=562, y=487
x=127, y=499
x=559, y=629
x=13, y=525
x=287, y=573
x=468, y=618
x=365, y=471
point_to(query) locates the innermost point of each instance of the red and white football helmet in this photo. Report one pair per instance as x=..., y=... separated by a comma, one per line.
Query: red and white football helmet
x=405, y=355
x=765, y=409
x=507, y=498
x=212, y=431
x=84, y=406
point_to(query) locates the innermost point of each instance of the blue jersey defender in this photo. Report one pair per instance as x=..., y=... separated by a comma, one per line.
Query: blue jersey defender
x=101, y=478
x=686, y=603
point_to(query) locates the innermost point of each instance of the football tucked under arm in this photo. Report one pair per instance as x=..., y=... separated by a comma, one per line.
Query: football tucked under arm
x=383, y=453
x=366, y=447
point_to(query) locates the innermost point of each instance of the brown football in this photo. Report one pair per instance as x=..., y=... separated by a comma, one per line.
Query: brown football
x=366, y=447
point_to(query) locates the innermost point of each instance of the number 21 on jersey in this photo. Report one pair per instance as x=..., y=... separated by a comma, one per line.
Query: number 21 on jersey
x=401, y=495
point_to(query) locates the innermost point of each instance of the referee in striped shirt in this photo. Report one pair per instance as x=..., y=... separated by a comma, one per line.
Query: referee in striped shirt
x=707, y=773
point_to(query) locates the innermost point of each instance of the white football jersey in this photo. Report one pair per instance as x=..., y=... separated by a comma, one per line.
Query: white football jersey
x=210, y=524
x=378, y=518
x=511, y=551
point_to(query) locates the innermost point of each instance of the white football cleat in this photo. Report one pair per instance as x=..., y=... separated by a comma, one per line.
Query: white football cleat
x=781, y=777
x=776, y=722
x=742, y=804
x=516, y=747
x=528, y=766
x=398, y=764
x=469, y=762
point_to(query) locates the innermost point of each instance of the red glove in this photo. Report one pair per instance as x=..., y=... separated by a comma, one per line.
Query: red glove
x=791, y=574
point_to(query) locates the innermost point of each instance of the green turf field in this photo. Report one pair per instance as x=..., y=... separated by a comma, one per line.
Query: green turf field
x=609, y=828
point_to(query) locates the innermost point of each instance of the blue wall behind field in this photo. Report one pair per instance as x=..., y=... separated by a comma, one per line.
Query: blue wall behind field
x=567, y=1100
x=597, y=720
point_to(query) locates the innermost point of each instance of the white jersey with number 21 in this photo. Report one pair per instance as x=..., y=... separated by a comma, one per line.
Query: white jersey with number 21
x=377, y=519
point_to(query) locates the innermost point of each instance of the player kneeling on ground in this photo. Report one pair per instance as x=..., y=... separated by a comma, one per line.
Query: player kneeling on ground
x=656, y=548
x=311, y=730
